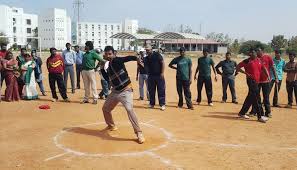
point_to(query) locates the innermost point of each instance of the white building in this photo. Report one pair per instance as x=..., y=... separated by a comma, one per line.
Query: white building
x=17, y=25
x=54, y=28
x=99, y=33
x=131, y=27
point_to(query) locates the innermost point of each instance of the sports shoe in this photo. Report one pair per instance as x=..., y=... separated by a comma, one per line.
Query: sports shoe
x=210, y=104
x=223, y=101
x=191, y=108
x=276, y=105
x=66, y=100
x=84, y=101
x=54, y=100
x=289, y=106
x=151, y=106
x=94, y=102
x=243, y=116
x=269, y=115
x=140, y=98
x=235, y=102
x=263, y=119
x=43, y=94
x=111, y=128
x=140, y=138
x=163, y=108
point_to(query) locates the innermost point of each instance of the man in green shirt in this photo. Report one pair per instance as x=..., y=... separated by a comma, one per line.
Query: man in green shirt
x=204, y=68
x=183, y=77
x=88, y=72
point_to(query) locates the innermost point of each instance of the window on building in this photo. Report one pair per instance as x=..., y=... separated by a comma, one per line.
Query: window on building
x=105, y=41
x=118, y=28
x=105, y=34
x=105, y=27
x=111, y=33
x=99, y=27
x=111, y=27
x=15, y=39
x=118, y=41
x=14, y=30
x=93, y=34
x=29, y=30
x=28, y=21
x=79, y=26
x=86, y=26
x=93, y=26
x=14, y=21
x=99, y=41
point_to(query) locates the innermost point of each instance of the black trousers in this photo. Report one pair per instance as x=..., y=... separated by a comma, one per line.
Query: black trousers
x=291, y=87
x=157, y=82
x=184, y=85
x=53, y=78
x=228, y=81
x=265, y=88
x=252, y=99
x=208, y=88
x=78, y=75
x=276, y=91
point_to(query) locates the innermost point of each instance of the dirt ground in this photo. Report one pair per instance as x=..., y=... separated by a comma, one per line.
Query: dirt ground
x=71, y=135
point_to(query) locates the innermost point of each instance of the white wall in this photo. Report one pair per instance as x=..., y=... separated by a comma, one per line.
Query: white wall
x=99, y=33
x=14, y=24
x=55, y=28
x=131, y=27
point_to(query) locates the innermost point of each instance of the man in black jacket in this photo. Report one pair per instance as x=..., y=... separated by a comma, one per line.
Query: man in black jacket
x=121, y=90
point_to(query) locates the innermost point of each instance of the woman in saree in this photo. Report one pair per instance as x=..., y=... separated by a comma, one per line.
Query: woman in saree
x=11, y=73
x=29, y=89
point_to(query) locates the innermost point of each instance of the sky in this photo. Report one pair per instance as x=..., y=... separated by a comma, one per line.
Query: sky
x=248, y=19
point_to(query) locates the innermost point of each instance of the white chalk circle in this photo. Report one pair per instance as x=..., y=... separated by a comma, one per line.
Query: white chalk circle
x=166, y=134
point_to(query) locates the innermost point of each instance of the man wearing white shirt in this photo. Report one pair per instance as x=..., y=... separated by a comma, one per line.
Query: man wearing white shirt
x=69, y=57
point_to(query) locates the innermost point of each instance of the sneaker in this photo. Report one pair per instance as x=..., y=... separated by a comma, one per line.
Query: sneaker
x=140, y=98
x=84, y=101
x=43, y=94
x=243, y=116
x=210, y=104
x=163, y=108
x=151, y=106
x=223, y=101
x=263, y=119
x=66, y=100
x=235, y=102
x=269, y=115
x=140, y=138
x=111, y=128
x=94, y=102
x=289, y=106
x=276, y=105
x=191, y=108
x=54, y=100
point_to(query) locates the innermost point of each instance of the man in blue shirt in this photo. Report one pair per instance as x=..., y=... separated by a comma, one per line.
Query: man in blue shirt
x=79, y=57
x=69, y=57
x=228, y=78
x=279, y=64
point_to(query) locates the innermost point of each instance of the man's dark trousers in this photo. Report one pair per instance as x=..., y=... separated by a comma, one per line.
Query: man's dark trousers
x=53, y=78
x=252, y=99
x=228, y=80
x=184, y=85
x=276, y=90
x=159, y=83
x=208, y=87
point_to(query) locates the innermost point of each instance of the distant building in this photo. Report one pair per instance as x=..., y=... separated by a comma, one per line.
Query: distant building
x=130, y=27
x=54, y=28
x=17, y=25
x=99, y=33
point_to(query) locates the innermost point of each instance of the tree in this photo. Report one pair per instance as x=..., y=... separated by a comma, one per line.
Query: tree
x=219, y=37
x=279, y=42
x=246, y=46
x=3, y=40
x=235, y=46
x=145, y=31
x=292, y=45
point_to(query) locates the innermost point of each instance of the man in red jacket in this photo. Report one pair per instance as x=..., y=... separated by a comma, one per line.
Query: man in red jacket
x=55, y=66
